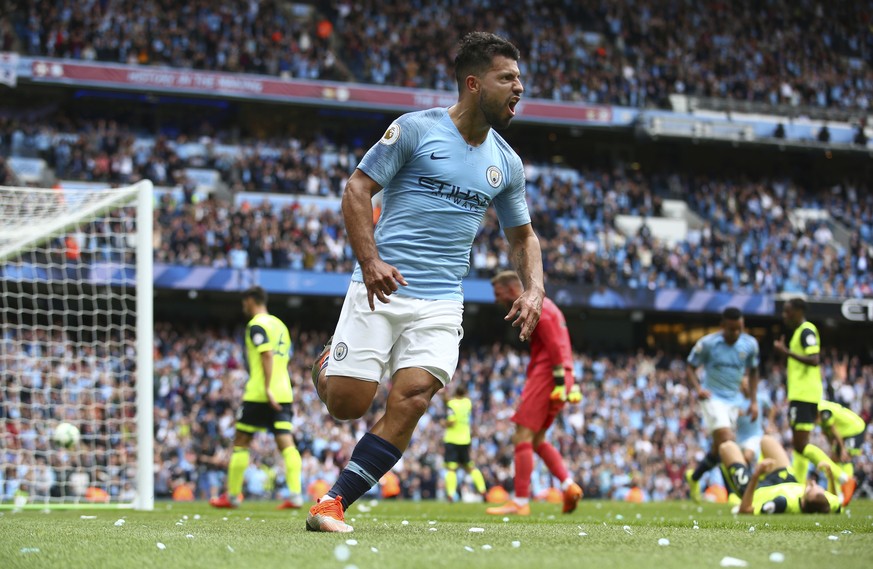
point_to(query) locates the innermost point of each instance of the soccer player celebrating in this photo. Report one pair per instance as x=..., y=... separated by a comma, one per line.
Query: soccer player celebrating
x=770, y=488
x=549, y=373
x=804, y=384
x=439, y=170
x=266, y=402
x=845, y=432
x=458, y=437
x=726, y=356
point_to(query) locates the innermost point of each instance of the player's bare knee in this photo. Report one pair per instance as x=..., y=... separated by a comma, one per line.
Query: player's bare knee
x=727, y=450
x=415, y=405
x=799, y=442
x=346, y=409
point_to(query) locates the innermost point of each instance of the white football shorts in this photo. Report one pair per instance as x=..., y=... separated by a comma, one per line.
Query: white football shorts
x=753, y=444
x=719, y=414
x=407, y=332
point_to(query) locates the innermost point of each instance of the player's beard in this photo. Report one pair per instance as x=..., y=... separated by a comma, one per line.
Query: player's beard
x=494, y=111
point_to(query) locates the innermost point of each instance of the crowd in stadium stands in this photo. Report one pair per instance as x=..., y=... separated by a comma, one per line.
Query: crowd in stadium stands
x=626, y=53
x=747, y=241
x=637, y=426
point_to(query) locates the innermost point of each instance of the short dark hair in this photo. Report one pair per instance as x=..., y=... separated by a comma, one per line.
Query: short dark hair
x=731, y=313
x=256, y=293
x=798, y=303
x=476, y=51
x=818, y=505
x=461, y=390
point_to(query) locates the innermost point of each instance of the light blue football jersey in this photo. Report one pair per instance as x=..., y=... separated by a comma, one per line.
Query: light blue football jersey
x=724, y=365
x=746, y=428
x=436, y=190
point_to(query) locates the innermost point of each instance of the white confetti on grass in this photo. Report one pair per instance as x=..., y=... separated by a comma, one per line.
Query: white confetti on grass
x=833, y=537
x=777, y=557
x=516, y=543
x=582, y=533
x=119, y=523
x=351, y=542
x=27, y=550
x=477, y=530
x=751, y=529
x=189, y=536
x=733, y=562
x=405, y=522
x=663, y=541
x=468, y=548
x=505, y=520
x=374, y=550
x=342, y=552
x=486, y=547
x=627, y=530
x=196, y=516
x=232, y=550
x=185, y=517
x=431, y=529
x=87, y=517
x=431, y=522
x=161, y=546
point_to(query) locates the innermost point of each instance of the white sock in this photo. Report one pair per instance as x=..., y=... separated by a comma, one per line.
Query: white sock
x=566, y=483
x=325, y=498
x=522, y=501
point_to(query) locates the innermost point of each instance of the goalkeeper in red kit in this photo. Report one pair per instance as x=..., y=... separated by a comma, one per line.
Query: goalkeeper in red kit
x=548, y=386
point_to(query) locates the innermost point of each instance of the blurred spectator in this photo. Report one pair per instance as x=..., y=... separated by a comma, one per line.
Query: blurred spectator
x=626, y=53
x=634, y=429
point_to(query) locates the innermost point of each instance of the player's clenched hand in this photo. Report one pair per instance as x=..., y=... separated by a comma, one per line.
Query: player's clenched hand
x=779, y=346
x=381, y=280
x=703, y=393
x=753, y=410
x=526, y=312
x=765, y=465
x=273, y=403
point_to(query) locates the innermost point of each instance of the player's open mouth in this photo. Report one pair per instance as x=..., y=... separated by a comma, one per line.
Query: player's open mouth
x=511, y=106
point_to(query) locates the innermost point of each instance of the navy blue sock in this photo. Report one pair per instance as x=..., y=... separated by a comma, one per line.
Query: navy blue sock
x=709, y=461
x=372, y=458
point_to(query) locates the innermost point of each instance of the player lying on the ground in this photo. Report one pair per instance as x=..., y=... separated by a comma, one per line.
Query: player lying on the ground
x=771, y=488
x=845, y=432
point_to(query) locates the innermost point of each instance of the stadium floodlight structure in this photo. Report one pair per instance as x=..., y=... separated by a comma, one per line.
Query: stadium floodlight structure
x=76, y=346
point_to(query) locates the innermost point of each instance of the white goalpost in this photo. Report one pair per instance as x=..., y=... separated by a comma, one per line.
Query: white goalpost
x=76, y=346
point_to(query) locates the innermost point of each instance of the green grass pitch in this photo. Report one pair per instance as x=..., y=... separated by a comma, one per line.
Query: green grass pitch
x=435, y=535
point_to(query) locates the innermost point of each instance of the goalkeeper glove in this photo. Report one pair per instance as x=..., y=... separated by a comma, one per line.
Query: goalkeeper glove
x=575, y=395
x=559, y=393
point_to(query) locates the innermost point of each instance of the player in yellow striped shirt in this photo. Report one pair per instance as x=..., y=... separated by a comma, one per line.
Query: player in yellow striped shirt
x=804, y=384
x=845, y=431
x=458, y=439
x=266, y=402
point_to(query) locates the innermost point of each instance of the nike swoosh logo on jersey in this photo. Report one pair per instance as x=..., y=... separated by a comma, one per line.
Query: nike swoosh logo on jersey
x=433, y=156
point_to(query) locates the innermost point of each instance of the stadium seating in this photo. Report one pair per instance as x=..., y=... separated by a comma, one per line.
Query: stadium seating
x=622, y=53
x=773, y=235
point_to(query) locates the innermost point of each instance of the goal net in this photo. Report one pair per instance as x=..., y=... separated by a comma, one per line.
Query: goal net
x=76, y=346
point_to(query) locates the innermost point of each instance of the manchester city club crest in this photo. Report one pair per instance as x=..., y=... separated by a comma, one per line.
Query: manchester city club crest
x=340, y=351
x=494, y=175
